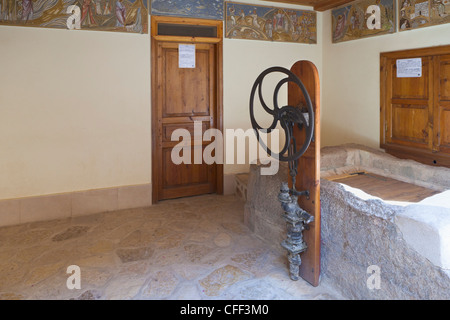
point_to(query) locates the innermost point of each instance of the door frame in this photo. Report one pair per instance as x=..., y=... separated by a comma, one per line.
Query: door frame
x=218, y=42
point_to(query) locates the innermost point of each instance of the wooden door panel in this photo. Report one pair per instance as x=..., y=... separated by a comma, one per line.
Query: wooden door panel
x=168, y=130
x=185, y=180
x=411, y=88
x=442, y=106
x=444, y=80
x=444, y=135
x=184, y=174
x=409, y=107
x=410, y=124
x=187, y=91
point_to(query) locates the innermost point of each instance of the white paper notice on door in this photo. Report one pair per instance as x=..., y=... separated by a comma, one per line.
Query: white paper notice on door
x=409, y=68
x=186, y=55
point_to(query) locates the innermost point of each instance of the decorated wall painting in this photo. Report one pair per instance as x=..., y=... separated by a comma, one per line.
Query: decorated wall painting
x=246, y=21
x=415, y=14
x=203, y=9
x=101, y=15
x=363, y=19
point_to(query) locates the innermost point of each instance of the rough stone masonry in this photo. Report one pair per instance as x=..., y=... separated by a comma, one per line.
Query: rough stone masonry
x=359, y=233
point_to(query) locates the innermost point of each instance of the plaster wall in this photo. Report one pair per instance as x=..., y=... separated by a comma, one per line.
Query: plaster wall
x=76, y=110
x=351, y=81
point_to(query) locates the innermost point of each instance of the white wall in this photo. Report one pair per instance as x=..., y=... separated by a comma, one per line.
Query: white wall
x=244, y=60
x=351, y=81
x=75, y=105
x=74, y=110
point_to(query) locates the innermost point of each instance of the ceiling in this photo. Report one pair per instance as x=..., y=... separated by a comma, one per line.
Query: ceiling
x=318, y=5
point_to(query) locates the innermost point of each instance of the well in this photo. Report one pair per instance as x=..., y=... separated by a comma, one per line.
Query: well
x=408, y=242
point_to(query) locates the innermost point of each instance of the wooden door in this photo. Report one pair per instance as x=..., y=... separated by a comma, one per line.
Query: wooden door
x=308, y=177
x=415, y=110
x=184, y=98
x=409, y=108
x=441, y=142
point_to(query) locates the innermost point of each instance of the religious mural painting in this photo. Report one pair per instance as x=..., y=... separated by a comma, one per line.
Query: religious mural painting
x=246, y=21
x=415, y=14
x=100, y=15
x=203, y=9
x=363, y=19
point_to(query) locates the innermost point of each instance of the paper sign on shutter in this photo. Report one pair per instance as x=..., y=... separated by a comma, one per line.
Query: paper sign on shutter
x=409, y=68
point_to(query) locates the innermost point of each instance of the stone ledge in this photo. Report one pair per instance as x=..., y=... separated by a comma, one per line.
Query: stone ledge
x=427, y=229
x=341, y=159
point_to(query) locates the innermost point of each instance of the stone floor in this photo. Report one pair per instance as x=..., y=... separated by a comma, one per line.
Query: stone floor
x=193, y=248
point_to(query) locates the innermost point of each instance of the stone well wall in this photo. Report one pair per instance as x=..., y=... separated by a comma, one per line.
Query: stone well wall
x=360, y=233
x=410, y=244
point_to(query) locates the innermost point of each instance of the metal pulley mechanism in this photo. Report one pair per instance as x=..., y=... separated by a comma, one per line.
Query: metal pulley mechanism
x=287, y=117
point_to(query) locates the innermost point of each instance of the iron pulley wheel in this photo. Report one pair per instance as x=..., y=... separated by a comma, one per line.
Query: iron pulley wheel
x=288, y=116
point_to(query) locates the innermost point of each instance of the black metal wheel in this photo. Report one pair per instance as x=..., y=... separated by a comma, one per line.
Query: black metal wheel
x=288, y=116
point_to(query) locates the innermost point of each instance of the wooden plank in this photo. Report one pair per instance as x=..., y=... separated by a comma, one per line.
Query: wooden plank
x=187, y=39
x=308, y=177
x=330, y=4
x=386, y=188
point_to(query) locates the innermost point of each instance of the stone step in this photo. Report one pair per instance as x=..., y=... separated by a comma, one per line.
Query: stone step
x=241, y=181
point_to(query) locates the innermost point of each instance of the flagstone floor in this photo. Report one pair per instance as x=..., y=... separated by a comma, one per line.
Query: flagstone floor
x=192, y=248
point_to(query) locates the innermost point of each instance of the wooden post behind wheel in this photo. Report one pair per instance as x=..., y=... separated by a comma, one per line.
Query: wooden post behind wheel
x=308, y=177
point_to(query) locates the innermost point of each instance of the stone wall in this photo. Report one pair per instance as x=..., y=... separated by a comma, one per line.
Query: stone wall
x=360, y=233
x=409, y=244
x=263, y=213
